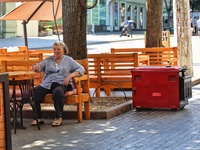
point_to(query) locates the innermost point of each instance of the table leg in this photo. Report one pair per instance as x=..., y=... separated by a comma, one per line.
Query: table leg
x=14, y=123
x=14, y=108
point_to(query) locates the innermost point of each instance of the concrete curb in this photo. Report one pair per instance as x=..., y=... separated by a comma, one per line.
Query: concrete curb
x=104, y=114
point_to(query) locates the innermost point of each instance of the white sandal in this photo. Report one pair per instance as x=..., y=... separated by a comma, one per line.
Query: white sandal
x=57, y=122
x=34, y=122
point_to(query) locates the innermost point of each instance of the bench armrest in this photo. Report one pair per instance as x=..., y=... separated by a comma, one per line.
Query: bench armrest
x=81, y=78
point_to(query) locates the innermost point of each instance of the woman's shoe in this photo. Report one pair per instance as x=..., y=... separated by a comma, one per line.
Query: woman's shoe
x=34, y=122
x=57, y=122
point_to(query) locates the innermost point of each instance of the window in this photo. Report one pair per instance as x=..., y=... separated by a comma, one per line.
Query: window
x=115, y=14
x=102, y=12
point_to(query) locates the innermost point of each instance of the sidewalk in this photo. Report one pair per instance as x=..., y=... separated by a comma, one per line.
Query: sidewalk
x=152, y=129
x=47, y=41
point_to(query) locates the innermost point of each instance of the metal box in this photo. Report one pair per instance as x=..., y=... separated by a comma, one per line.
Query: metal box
x=160, y=87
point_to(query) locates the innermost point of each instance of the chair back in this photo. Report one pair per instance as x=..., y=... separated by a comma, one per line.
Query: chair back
x=26, y=87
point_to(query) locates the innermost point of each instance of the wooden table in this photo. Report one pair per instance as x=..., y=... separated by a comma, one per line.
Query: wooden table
x=19, y=75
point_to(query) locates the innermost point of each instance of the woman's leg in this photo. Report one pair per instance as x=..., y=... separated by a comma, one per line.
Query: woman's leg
x=59, y=98
x=40, y=93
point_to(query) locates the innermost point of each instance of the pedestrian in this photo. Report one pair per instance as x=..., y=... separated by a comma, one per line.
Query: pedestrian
x=126, y=25
x=195, y=25
x=198, y=26
x=192, y=26
x=59, y=69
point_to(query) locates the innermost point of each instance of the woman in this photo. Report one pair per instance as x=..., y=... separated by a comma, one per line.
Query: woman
x=59, y=70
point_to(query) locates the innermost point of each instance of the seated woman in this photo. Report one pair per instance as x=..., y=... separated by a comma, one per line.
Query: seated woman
x=59, y=70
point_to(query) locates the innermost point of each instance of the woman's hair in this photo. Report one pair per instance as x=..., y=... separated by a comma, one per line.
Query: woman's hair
x=63, y=45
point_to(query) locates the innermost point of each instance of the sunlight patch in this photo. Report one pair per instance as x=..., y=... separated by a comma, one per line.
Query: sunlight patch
x=111, y=129
x=70, y=145
x=197, y=141
x=95, y=132
x=105, y=124
x=37, y=143
x=150, y=131
x=76, y=141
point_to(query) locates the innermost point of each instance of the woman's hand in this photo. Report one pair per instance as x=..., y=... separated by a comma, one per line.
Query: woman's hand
x=36, y=67
x=66, y=81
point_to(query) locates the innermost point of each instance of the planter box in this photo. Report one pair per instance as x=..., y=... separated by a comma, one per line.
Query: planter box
x=49, y=32
x=41, y=34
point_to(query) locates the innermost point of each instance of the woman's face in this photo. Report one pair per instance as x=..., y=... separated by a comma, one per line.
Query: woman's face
x=58, y=51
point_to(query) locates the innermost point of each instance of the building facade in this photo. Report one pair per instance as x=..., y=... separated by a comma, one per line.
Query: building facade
x=109, y=15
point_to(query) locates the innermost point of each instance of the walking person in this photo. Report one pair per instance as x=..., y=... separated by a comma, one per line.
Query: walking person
x=59, y=70
x=126, y=26
x=195, y=25
x=192, y=26
x=198, y=27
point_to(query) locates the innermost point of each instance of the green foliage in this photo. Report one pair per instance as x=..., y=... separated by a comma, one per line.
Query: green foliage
x=195, y=4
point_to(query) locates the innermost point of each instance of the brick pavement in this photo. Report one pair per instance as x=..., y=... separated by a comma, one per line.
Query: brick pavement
x=134, y=130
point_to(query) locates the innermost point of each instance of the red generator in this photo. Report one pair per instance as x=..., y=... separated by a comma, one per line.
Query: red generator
x=160, y=87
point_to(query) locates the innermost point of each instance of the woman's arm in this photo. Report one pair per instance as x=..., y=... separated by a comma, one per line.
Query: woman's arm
x=70, y=76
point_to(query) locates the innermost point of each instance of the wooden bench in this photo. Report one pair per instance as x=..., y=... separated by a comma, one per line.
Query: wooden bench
x=25, y=50
x=22, y=65
x=14, y=57
x=60, y=29
x=79, y=96
x=46, y=52
x=159, y=56
x=21, y=57
x=19, y=50
x=109, y=71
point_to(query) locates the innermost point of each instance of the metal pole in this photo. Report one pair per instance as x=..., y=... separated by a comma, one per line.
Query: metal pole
x=25, y=33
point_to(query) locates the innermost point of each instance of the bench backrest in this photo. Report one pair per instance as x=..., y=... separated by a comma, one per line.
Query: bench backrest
x=19, y=50
x=84, y=63
x=21, y=57
x=159, y=56
x=22, y=65
x=14, y=57
x=46, y=53
x=111, y=65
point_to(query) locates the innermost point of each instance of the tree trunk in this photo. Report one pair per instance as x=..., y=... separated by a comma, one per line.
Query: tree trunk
x=74, y=28
x=184, y=43
x=154, y=23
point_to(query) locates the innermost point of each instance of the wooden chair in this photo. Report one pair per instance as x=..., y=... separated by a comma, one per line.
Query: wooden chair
x=26, y=96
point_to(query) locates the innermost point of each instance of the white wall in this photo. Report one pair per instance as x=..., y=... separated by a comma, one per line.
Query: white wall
x=32, y=29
